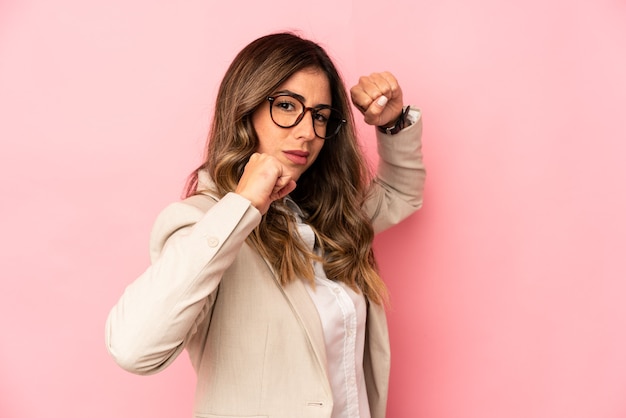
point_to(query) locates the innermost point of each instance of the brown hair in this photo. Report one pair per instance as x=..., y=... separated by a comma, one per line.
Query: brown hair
x=331, y=192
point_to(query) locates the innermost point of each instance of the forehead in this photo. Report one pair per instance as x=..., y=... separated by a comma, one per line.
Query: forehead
x=312, y=84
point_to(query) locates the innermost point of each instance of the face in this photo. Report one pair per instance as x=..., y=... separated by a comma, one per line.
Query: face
x=296, y=148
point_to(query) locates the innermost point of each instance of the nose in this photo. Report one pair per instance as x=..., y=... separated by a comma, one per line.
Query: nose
x=304, y=128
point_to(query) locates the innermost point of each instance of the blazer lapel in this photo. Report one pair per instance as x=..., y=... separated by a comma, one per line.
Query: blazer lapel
x=376, y=360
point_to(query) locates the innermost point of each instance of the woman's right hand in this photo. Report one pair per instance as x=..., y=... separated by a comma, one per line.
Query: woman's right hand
x=263, y=181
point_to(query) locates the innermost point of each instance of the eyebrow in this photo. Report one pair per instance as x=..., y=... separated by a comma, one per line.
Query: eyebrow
x=299, y=97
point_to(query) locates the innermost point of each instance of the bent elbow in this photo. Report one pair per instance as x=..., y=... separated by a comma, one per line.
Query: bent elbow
x=128, y=361
x=131, y=355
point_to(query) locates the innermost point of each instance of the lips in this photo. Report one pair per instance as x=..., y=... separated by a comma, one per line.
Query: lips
x=297, y=156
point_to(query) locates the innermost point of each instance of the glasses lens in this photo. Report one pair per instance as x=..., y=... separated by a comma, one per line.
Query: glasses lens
x=285, y=111
x=327, y=122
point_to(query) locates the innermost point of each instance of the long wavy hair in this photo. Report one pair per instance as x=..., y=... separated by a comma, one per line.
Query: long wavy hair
x=330, y=193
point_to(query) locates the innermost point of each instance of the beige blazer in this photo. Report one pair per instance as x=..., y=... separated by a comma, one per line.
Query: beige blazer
x=257, y=347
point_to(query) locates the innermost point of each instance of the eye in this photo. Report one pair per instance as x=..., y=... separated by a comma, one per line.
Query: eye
x=321, y=116
x=286, y=105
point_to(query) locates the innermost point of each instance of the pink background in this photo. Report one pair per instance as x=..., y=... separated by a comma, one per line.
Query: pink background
x=508, y=288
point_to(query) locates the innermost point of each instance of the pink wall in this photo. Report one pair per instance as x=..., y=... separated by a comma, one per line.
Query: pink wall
x=507, y=288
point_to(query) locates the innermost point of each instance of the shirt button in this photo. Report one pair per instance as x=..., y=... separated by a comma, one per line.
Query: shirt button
x=336, y=290
x=212, y=242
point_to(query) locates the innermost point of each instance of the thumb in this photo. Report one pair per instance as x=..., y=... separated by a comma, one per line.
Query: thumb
x=375, y=110
x=381, y=101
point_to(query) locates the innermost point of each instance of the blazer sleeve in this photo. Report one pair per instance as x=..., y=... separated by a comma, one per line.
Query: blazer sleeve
x=397, y=190
x=190, y=250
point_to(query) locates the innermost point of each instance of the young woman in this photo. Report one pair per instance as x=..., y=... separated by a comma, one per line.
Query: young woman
x=265, y=273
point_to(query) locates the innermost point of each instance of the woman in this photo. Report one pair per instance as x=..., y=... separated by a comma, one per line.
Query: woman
x=265, y=273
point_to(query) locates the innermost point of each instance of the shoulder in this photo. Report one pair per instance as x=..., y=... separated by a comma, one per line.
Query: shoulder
x=203, y=215
x=177, y=217
x=180, y=214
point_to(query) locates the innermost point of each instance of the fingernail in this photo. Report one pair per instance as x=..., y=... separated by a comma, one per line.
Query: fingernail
x=382, y=100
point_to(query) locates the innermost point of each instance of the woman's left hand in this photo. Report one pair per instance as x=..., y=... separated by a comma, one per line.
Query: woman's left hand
x=379, y=98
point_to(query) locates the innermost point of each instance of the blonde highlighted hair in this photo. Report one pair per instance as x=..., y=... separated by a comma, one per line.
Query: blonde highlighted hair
x=331, y=192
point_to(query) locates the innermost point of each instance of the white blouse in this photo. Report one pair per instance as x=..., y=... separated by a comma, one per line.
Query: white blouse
x=343, y=314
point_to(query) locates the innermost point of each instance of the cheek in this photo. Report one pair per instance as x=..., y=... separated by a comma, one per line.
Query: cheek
x=268, y=139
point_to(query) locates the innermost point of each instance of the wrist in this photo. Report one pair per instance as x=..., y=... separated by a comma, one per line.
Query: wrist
x=397, y=125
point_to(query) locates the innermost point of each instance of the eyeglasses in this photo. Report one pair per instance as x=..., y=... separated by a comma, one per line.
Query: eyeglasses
x=287, y=111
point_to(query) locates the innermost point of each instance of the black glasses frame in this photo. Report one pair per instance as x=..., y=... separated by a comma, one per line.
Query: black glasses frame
x=340, y=122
